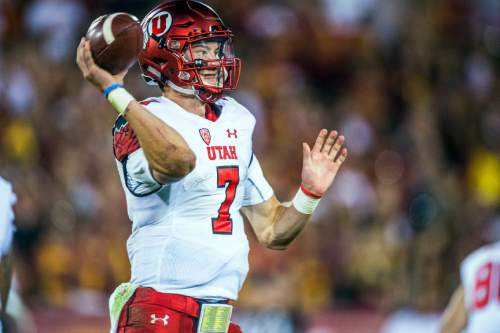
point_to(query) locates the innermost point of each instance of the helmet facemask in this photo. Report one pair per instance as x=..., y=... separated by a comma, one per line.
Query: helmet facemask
x=209, y=64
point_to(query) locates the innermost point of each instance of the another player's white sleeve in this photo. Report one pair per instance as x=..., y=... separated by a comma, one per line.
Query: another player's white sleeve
x=137, y=175
x=257, y=189
x=7, y=201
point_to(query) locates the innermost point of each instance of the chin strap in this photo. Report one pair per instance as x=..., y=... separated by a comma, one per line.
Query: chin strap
x=185, y=91
x=202, y=94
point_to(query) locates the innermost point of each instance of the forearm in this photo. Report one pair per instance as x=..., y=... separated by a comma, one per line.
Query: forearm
x=454, y=318
x=287, y=224
x=449, y=325
x=277, y=224
x=166, y=150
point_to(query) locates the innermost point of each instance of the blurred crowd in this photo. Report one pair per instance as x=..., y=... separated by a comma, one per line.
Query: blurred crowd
x=413, y=85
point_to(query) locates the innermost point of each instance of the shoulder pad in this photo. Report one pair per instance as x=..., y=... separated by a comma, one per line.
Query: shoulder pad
x=124, y=140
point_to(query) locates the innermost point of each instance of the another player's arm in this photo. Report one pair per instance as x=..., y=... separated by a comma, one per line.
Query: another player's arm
x=454, y=318
x=168, y=154
x=277, y=224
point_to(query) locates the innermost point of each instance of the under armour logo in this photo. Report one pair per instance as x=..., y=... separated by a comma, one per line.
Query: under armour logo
x=229, y=133
x=164, y=320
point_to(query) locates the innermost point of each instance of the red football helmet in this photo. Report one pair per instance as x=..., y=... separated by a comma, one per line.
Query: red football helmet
x=188, y=47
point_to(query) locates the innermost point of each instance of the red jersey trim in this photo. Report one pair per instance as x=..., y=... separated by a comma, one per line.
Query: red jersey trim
x=125, y=141
x=149, y=101
x=212, y=113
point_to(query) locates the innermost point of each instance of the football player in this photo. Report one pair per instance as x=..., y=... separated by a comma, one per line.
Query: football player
x=187, y=166
x=7, y=202
x=475, y=304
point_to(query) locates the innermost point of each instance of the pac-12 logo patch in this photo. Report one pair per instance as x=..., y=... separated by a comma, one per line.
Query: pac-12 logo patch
x=205, y=135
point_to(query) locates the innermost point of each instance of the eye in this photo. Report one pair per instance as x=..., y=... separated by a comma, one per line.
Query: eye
x=200, y=51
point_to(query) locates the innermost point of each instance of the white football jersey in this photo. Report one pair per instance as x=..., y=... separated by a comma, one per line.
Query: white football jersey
x=480, y=273
x=188, y=237
x=7, y=202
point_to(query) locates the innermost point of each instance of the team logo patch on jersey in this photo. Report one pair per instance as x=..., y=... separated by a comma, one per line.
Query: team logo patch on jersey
x=205, y=135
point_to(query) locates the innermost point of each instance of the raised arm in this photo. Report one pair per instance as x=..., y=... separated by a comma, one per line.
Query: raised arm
x=168, y=154
x=277, y=224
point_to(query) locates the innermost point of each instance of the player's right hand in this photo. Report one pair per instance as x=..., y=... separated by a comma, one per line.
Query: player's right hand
x=96, y=75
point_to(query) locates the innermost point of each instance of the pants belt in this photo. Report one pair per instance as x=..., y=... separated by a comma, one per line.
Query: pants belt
x=181, y=303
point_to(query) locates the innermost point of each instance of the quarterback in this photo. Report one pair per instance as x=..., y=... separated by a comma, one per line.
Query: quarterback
x=7, y=201
x=475, y=304
x=190, y=176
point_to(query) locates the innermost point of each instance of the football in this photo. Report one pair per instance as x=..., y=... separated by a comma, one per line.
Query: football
x=115, y=40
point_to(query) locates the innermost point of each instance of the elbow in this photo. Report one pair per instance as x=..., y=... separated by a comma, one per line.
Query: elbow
x=185, y=163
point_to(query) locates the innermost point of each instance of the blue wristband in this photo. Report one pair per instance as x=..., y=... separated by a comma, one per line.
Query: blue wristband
x=111, y=88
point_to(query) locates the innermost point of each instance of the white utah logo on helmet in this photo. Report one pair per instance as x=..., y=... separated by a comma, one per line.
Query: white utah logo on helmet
x=160, y=24
x=157, y=26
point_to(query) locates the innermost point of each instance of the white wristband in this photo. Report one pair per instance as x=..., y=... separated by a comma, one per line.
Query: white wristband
x=304, y=203
x=120, y=99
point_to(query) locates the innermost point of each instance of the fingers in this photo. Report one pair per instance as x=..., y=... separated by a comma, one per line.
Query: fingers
x=85, y=60
x=341, y=158
x=87, y=56
x=319, y=141
x=329, y=145
x=306, y=151
x=80, y=59
x=336, y=148
x=329, y=142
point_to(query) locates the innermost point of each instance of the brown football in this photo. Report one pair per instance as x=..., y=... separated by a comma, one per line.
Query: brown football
x=115, y=40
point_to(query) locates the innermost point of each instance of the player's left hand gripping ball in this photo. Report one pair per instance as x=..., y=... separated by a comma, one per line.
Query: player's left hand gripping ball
x=321, y=164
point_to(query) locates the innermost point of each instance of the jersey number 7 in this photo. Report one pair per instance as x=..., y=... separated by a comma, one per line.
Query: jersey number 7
x=230, y=175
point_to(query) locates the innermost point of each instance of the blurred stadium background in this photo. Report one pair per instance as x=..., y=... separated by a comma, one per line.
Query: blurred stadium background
x=413, y=85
